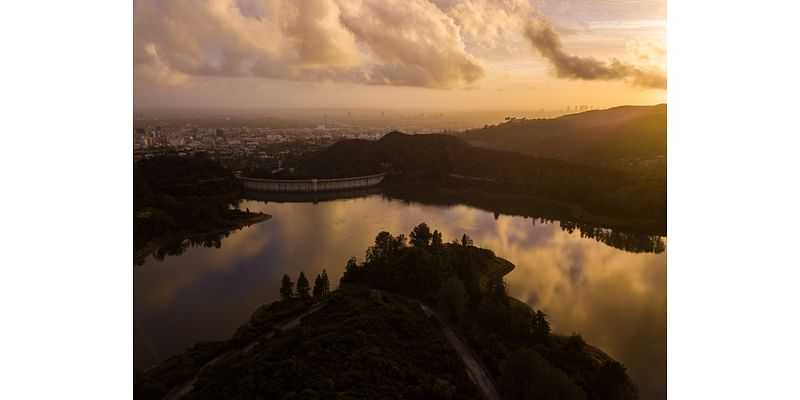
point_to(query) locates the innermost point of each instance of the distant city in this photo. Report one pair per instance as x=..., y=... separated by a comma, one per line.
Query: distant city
x=277, y=134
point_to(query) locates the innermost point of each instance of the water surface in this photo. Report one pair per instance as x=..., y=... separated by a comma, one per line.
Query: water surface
x=615, y=298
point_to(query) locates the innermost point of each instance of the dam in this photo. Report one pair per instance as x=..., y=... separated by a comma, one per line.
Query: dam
x=310, y=185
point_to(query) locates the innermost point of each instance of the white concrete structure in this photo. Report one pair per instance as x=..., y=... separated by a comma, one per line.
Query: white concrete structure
x=310, y=185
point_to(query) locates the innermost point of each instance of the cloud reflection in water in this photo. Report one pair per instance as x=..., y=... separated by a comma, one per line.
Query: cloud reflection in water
x=615, y=299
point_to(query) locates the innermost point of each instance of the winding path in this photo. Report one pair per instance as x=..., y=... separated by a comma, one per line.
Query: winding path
x=477, y=371
x=475, y=368
x=184, y=388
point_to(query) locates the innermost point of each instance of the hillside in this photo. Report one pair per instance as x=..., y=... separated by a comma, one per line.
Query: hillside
x=391, y=331
x=620, y=137
x=452, y=162
x=177, y=198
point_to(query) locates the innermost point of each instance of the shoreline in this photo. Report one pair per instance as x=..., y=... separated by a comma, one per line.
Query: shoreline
x=139, y=255
x=513, y=204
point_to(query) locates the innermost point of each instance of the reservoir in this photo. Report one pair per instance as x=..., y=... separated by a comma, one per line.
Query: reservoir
x=612, y=293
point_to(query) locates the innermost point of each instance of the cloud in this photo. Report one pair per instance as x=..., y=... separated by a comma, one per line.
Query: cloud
x=377, y=42
x=545, y=39
x=417, y=43
x=153, y=68
x=489, y=27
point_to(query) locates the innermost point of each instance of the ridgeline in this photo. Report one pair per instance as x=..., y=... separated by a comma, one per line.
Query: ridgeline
x=586, y=193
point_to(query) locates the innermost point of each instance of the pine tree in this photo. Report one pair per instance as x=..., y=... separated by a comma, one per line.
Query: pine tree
x=352, y=271
x=302, y=286
x=466, y=240
x=326, y=284
x=421, y=235
x=436, y=240
x=318, y=287
x=286, y=288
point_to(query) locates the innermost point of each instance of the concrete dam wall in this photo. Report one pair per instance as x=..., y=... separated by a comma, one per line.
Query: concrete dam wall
x=310, y=185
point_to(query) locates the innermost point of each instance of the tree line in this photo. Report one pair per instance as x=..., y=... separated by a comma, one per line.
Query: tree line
x=289, y=290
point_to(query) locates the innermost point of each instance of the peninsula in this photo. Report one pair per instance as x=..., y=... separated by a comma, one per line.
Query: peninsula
x=418, y=318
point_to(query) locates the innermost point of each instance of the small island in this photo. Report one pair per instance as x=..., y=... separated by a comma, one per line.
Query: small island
x=418, y=318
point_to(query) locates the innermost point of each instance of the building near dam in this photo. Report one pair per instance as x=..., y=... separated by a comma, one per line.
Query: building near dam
x=310, y=185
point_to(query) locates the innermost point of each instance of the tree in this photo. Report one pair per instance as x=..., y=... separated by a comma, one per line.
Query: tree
x=317, y=287
x=452, y=298
x=421, y=235
x=302, y=286
x=541, y=326
x=352, y=271
x=287, y=291
x=466, y=240
x=612, y=382
x=498, y=289
x=385, y=244
x=525, y=374
x=326, y=284
x=436, y=240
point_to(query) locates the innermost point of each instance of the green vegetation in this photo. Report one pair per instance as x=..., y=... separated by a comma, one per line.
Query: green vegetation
x=359, y=345
x=157, y=381
x=322, y=286
x=450, y=162
x=466, y=284
x=177, y=198
x=370, y=338
x=629, y=234
x=302, y=286
x=287, y=290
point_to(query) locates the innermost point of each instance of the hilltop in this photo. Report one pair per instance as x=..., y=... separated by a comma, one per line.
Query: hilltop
x=407, y=322
x=620, y=137
x=588, y=192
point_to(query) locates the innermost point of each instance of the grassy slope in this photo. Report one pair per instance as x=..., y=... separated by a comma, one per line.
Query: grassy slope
x=616, y=137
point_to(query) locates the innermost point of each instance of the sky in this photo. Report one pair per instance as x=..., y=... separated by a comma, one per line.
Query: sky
x=416, y=54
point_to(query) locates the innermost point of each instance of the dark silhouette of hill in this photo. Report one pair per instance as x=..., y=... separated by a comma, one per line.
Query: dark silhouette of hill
x=620, y=137
x=395, y=151
x=389, y=330
x=452, y=162
x=177, y=198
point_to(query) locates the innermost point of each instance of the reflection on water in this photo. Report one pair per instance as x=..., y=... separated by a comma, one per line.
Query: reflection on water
x=178, y=247
x=632, y=242
x=616, y=299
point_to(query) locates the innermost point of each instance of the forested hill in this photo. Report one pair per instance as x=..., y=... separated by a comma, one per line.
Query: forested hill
x=176, y=198
x=452, y=162
x=429, y=155
x=620, y=137
x=373, y=339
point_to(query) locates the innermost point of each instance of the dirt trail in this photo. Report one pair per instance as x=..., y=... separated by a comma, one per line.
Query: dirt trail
x=479, y=374
x=477, y=371
x=184, y=388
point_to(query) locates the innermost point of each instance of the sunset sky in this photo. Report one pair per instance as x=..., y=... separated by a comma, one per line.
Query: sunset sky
x=434, y=54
